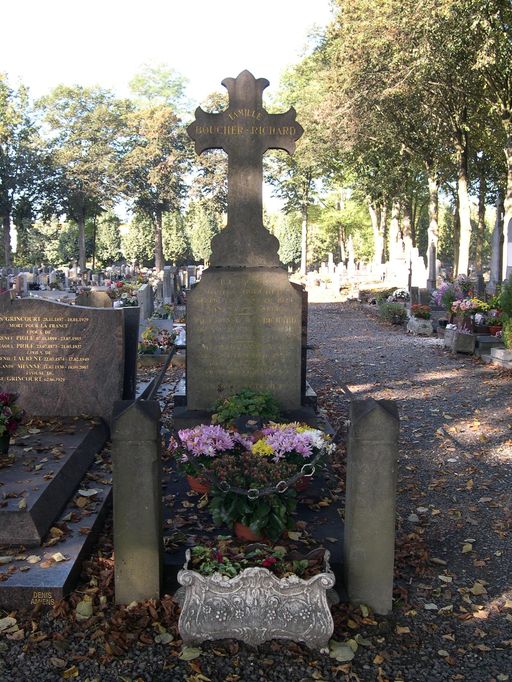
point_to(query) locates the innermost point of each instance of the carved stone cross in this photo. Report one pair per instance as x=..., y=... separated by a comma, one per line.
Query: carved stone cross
x=245, y=131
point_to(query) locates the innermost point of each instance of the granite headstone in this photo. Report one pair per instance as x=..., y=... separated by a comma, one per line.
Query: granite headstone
x=62, y=360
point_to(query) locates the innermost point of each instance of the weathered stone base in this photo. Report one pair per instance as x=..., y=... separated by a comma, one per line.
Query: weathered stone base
x=502, y=357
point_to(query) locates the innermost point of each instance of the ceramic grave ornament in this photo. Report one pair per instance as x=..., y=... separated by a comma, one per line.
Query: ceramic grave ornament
x=245, y=131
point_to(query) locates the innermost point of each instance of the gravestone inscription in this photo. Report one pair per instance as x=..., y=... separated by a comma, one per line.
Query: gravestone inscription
x=62, y=360
x=244, y=318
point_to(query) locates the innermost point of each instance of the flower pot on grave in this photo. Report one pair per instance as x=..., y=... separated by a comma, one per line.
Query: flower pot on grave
x=464, y=323
x=495, y=328
x=198, y=485
x=256, y=606
x=243, y=532
x=4, y=443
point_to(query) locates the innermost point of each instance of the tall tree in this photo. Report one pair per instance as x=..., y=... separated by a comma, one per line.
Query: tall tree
x=159, y=84
x=155, y=168
x=21, y=161
x=86, y=132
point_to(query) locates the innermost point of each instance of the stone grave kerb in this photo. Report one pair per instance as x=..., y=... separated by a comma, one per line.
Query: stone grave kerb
x=245, y=131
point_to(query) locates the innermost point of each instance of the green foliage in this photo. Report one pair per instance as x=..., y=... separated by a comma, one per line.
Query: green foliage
x=88, y=136
x=505, y=304
x=159, y=84
x=393, y=312
x=138, y=241
x=287, y=228
x=175, y=240
x=269, y=516
x=201, y=226
x=108, y=239
x=507, y=333
x=246, y=402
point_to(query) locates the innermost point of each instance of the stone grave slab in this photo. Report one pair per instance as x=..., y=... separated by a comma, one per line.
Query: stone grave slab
x=61, y=359
x=244, y=330
x=46, y=470
x=24, y=584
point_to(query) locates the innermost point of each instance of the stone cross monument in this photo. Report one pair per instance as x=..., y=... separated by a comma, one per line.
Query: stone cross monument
x=245, y=131
x=244, y=319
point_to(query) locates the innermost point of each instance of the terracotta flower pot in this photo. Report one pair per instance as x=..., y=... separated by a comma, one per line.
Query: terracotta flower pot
x=198, y=485
x=303, y=484
x=495, y=328
x=245, y=533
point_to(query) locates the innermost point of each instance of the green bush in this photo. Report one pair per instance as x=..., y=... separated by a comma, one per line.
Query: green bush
x=393, y=312
x=505, y=300
x=246, y=402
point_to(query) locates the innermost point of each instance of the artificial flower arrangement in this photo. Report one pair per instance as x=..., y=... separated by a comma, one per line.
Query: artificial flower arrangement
x=155, y=340
x=421, y=311
x=11, y=414
x=252, y=476
x=123, y=294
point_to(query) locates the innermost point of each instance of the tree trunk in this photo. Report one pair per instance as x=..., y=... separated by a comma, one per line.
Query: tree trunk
x=464, y=207
x=6, y=224
x=407, y=235
x=433, y=228
x=304, y=241
x=81, y=243
x=497, y=245
x=159, y=246
x=378, y=240
x=395, y=245
x=480, y=235
x=507, y=221
x=456, y=237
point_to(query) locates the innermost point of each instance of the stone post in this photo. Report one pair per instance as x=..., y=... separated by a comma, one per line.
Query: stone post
x=145, y=299
x=370, y=503
x=137, y=500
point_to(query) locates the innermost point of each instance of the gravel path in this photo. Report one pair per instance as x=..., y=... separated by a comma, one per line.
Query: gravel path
x=452, y=618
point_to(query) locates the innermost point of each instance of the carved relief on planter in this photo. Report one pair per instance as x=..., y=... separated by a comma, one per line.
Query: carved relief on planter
x=256, y=606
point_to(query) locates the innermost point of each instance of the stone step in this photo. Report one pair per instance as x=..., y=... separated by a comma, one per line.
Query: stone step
x=25, y=584
x=43, y=471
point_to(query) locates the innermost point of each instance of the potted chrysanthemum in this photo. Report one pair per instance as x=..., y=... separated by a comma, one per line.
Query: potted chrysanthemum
x=255, y=492
x=197, y=448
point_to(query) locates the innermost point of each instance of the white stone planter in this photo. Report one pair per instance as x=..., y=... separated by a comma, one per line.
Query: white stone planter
x=420, y=327
x=256, y=606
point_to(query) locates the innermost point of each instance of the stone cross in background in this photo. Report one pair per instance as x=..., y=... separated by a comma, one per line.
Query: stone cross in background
x=245, y=131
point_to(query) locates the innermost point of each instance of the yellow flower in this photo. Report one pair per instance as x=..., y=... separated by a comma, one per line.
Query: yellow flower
x=262, y=448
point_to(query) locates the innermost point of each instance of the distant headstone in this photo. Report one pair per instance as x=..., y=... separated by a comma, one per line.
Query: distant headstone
x=168, y=285
x=62, y=360
x=145, y=299
x=244, y=318
x=94, y=299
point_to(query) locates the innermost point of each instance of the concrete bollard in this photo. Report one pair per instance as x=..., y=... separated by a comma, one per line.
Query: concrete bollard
x=369, y=542
x=137, y=495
